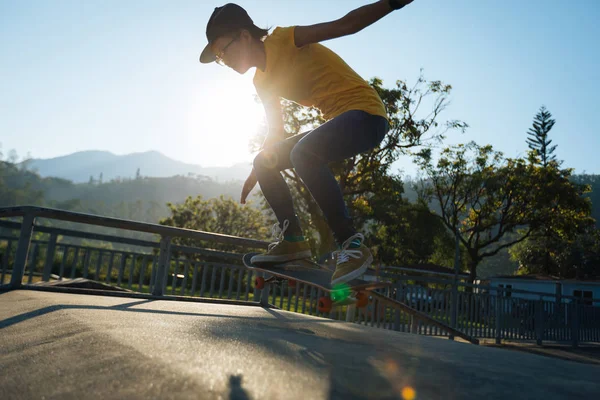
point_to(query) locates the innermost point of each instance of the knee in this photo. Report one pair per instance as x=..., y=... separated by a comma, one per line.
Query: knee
x=265, y=160
x=258, y=162
x=303, y=158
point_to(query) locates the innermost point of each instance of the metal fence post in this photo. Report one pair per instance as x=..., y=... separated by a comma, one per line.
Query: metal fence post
x=163, y=262
x=22, y=251
x=575, y=323
x=264, y=295
x=498, y=314
x=454, y=309
x=350, y=312
x=538, y=320
x=397, y=312
x=50, y=252
x=414, y=324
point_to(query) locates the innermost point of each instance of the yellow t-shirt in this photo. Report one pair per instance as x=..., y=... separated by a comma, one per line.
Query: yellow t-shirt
x=313, y=75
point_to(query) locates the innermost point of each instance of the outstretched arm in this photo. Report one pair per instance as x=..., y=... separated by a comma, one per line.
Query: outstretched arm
x=352, y=22
x=276, y=133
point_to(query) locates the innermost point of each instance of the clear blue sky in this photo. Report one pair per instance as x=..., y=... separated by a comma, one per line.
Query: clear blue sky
x=124, y=76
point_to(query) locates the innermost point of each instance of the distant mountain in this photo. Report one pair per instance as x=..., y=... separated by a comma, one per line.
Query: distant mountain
x=140, y=199
x=79, y=167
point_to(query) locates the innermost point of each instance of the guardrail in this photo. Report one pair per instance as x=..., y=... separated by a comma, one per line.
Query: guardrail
x=490, y=312
x=161, y=268
x=166, y=233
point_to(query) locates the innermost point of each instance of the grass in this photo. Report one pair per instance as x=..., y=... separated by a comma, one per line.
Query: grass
x=24, y=281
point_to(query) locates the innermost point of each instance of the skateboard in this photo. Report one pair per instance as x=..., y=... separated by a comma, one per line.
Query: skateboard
x=354, y=292
x=358, y=292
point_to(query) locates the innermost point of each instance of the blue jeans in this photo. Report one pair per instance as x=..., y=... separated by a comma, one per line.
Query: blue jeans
x=309, y=153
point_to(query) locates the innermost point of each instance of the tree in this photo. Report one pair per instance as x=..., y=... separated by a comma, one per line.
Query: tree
x=222, y=215
x=483, y=197
x=13, y=156
x=548, y=244
x=17, y=185
x=408, y=234
x=593, y=181
x=552, y=247
x=362, y=178
x=567, y=259
x=538, y=137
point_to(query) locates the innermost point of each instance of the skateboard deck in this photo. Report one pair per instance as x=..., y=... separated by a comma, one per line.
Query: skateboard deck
x=309, y=272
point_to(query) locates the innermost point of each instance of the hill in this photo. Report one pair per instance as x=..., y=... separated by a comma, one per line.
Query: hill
x=142, y=198
x=104, y=166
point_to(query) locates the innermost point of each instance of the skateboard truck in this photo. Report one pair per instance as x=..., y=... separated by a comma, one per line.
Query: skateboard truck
x=260, y=282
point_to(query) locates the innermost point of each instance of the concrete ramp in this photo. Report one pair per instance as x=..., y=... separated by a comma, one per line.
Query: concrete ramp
x=69, y=346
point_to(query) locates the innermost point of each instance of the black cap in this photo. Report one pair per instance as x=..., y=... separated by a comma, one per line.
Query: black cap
x=226, y=19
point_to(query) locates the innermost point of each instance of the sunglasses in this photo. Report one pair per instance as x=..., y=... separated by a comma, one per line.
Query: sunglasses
x=220, y=56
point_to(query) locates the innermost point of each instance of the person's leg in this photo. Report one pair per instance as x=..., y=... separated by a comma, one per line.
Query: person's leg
x=268, y=165
x=345, y=136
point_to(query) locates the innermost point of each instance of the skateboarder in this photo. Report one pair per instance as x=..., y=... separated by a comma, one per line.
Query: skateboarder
x=292, y=64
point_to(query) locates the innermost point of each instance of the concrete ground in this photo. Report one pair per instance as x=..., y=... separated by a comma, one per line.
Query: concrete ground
x=71, y=346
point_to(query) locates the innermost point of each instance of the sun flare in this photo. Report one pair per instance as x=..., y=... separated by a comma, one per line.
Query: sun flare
x=224, y=120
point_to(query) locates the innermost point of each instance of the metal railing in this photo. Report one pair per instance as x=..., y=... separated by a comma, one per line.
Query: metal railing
x=166, y=233
x=499, y=313
x=161, y=268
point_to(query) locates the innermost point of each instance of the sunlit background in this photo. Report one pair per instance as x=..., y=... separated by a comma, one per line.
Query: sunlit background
x=220, y=134
x=124, y=76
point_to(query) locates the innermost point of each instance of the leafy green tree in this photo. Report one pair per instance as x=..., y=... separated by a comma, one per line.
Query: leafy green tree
x=538, y=140
x=17, y=186
x=483, y=197
x=593, y=182
x=408, y=234
x=222, y=215
x=551, y=245
x=552, y=255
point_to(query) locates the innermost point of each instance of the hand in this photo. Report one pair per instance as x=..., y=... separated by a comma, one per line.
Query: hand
x=398, y=4
x=248, y=186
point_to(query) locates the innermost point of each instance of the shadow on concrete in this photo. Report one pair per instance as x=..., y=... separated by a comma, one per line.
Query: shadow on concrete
x=129, y=295
x=344, y=362
x=126, y=307
x=354, y=364
x=236, y=391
